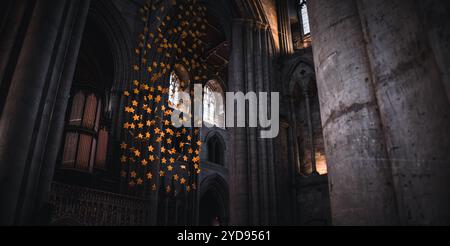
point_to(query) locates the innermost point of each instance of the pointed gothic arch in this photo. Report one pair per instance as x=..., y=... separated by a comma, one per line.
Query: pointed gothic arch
x=214, y=200
x=216, y=149
x=305, y=111
x=101, y=74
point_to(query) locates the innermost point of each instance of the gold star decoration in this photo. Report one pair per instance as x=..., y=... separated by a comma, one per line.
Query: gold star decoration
x=123, y=146
x=149, y=137
x=149, y=175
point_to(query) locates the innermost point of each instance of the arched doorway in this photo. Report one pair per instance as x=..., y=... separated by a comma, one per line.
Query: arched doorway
x=213, y=207
x=210, y=210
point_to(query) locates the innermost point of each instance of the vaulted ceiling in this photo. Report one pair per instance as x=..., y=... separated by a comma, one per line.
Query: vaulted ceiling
x=217, y=47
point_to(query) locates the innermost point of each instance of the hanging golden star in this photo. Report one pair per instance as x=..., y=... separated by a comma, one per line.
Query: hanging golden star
x=123, y=146
x=137, y=153
x=149, y=175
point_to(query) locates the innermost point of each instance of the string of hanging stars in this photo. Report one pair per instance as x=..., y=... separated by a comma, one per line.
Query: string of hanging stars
x=153, y=151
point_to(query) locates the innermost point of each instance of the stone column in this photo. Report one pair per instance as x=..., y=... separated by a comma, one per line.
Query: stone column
x=261, y=143
x=63, y=79
x=23, y=105
x=434, y=15
x=270, y=87
x=361, y=186
x=284, y=26
x=414, y=107
x=252, y=162
x=13, y=29
x=294, y=134
x=310, y=130
x=237, y=156
x=252, y=132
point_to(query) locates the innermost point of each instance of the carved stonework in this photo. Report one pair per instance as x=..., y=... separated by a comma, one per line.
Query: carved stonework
x=97, y=208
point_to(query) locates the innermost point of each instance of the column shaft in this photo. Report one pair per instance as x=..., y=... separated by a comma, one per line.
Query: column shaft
x=310, y=132
x=239, y=195
x=414, y=108
x=14, y=26
x=284, y=25
x=68, y=58
x=23, y=105
x=262, y=155
x=268, y=87
x=434, y=14
x=361, y=186
x=252, y=132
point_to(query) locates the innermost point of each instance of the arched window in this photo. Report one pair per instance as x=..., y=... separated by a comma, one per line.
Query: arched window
x=303, y=16
x=213, y=105
x=174, y=91
x=179, y=82
x=309, y=128
x=301, y=32
x=215, y=150
x=86, y=137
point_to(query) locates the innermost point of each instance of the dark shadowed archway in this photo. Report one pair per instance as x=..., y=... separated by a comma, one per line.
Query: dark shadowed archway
x=210, y=210
x=214, y=199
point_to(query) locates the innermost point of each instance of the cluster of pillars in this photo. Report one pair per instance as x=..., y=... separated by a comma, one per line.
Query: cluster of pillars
x=383, y=87
x=252, y=180
x=39, y=50
x=284, y=26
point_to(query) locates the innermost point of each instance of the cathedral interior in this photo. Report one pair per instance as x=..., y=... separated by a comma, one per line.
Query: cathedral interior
x=88, y=86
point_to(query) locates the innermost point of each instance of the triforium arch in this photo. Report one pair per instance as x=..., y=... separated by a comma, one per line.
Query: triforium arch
x=215, y=142
x=306, y=119
x=214, y=201
x=301, y=73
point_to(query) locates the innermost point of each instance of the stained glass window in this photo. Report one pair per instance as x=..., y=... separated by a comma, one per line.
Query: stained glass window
x=304, y=17
x=213, y=104
x=179, y=83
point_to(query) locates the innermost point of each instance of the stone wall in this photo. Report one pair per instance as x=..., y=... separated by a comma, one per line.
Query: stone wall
x=313, y=201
